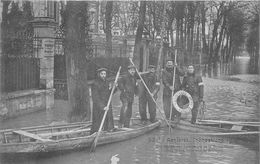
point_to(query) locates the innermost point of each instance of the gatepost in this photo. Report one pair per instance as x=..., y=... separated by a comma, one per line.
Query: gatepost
x=44, y=30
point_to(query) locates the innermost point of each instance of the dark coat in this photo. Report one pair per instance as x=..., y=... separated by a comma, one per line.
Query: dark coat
x=167, y=79
x=151, y=81
x=128, y=87
x=194, y=86
x=100, y=96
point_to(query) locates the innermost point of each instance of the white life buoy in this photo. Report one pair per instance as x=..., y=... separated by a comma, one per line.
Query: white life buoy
x=175, y=104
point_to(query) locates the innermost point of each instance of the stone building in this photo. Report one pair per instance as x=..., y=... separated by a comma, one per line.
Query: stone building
x=22, y=101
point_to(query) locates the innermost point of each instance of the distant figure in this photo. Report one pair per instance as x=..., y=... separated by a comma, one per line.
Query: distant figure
x=167, y=79
x=128, y=87
x=145, y=99
x=193, y=84
x=100, y=95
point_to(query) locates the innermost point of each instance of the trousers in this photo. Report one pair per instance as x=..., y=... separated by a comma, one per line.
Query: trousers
x=167, y=108
x=125, y=113
x=145, y=100
x=194, y=112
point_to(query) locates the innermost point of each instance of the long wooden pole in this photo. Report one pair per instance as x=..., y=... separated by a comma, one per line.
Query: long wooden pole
x=93, y=147
x=150, y=94
x=173, y=80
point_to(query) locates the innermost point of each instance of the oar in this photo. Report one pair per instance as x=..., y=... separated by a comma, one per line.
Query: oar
x=173, y=81
x=150, y=93
x=93, y=147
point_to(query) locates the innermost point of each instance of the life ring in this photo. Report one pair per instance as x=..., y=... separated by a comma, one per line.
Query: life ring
x=175, y=104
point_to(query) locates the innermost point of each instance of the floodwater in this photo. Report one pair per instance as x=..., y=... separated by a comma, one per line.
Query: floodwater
x=225, y=100
x=242, y=65
x=154, y=148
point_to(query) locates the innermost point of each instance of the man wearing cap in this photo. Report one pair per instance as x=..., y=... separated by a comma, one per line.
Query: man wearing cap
x=145, y=98
x=193, y=84
x=128, y=87
x=167, y=79
x=100, y=95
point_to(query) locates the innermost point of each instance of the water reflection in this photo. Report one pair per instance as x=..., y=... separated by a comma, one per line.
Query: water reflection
x=153, y=148
x=242, y=65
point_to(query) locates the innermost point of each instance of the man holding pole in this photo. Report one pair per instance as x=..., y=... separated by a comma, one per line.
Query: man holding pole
x=168, y=79
x=100, y=94
x=128, y=87
x=144, y=97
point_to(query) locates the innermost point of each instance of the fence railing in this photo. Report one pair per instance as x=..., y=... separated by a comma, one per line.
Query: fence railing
x=21, y=73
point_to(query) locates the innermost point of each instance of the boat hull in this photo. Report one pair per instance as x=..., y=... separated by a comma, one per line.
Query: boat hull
x=208, y=130
x=76, y=142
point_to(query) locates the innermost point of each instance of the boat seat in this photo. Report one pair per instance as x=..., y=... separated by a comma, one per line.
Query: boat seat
x=30, y=135
x=237, y=127
x=48, y=135
x=125, y=129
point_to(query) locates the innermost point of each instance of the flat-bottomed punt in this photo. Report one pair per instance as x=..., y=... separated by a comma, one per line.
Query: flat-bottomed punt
x=242, y=131
x=70, y=136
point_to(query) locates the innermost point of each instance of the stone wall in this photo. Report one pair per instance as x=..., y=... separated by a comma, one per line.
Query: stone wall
x=21, y=102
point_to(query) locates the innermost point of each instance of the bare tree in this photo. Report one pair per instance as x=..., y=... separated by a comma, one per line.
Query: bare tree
x=108, y=28
x=139, y=32
x=76, y=43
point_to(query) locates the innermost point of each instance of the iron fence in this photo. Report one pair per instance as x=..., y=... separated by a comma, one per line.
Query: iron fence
x=21, y=73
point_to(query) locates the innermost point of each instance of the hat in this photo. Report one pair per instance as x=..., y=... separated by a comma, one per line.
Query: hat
x=130, y=66
x=169, y=59
x=102, y=69
x=151, y=66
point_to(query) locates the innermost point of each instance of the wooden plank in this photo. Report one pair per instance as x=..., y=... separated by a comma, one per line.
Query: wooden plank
x=126, y=129
x=30, y=135
x=47, y=135
x=237, y=127
x=230, y=122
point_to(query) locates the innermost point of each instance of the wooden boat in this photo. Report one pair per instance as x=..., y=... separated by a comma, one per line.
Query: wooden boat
x=240, y=131
x=51, y=138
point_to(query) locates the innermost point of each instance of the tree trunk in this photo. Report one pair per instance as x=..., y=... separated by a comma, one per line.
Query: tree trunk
x=212, y=58
x=203, y=22
x=192, y=36
x=76, y=63
x=160, y=62
x=108, y=29
x=182, y=41
x=139, y=33
x=216, y=56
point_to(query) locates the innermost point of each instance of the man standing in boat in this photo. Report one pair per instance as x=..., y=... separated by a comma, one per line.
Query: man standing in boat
x=153, y=85
x=193, y=84
x=100, y=95
x=167, y=79
x=128, y=87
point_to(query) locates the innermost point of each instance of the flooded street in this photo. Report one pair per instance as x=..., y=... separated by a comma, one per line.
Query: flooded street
x=225, y=100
